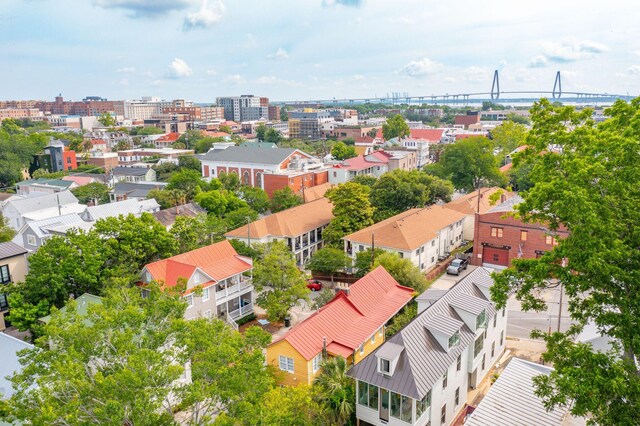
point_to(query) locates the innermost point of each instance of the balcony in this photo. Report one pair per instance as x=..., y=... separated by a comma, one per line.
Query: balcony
x=241, y=312
x=234, y=290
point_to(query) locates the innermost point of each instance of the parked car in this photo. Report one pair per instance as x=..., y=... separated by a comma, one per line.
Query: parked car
x=457, y=266
x=314, y=285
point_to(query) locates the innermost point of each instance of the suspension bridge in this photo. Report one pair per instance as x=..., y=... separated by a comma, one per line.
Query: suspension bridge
x=523, y=97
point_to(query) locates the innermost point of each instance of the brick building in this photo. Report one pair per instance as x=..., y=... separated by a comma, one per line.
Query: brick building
x=89, y=106
x=499, y=238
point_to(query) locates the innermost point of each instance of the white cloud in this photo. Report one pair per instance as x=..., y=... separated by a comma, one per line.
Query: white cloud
x=420, y=68
x=126, y=69
x=278, y=54
x=538, y=61
x=179, y=68
x=571, y=50
x=634, y=69
x=234, y=79
x=211, y=72
x=205, y=17
x=358, y=77
x=477, y=74
x=145, y=8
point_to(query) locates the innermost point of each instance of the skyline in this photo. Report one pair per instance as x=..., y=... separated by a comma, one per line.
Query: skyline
x=198, y=50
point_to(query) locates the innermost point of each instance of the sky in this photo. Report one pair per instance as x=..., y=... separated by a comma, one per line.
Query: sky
x=313, y=49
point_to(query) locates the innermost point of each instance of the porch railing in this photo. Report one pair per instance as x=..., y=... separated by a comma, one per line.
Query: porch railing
x=241, y=312
x=231, y=290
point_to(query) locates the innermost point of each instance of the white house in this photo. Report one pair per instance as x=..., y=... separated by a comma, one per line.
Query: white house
x=35, y=206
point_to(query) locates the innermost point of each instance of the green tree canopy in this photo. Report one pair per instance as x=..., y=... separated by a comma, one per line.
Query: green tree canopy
x=239, y=217
x=403, y=270
x=336, y=391
x=16, y=151
x=340, y=151
x=328, y=261
x=279, y=281
x=352, y=211
x=189, y=162
x=229, y=181
x=507, y=137
x=92, y=192
x=272, y=136
x=188, y=181
x=283, y=199
x=468, y=163
x=6, y=232
x=261, y=130
x=107, y=120
x=587, y=183
x=214, y=202
x=395, y=127
x=255, y=197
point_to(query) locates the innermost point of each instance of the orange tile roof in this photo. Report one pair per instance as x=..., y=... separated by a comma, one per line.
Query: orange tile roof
x=218, y=261
x=169, y=137
x=468, y=204
x=288, y=223
x=316, y=192
x=506, y=167
x=347, y=321
x=408, y=230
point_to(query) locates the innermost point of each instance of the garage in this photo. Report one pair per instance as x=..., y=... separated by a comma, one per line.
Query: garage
x=495, y=257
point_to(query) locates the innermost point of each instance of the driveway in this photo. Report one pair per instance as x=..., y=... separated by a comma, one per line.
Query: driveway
x=445, y=282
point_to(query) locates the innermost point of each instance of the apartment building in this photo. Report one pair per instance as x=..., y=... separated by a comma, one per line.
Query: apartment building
x=421, y=375
x=308, y=123
x=88, y=106
x=244, y=107
x=33, y=114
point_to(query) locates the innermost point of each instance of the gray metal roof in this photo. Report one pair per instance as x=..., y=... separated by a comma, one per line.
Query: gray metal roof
x=511, y=401
x=40, y=227
x=9, y=363
x=10, y=249
x=46, y=182
x=432, y=295
x=423, y=361
x=443, y=324
x=507, y=206
x=137, y=189
x=35, y=202
x=124, y=208
x=390, y=351
x=243, y=154
x=168, y=216
x=130, y=171
x=473, y=305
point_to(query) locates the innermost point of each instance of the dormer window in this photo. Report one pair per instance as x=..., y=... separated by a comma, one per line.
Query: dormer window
x=385, y=366
x=454, y=340
x=481, y=320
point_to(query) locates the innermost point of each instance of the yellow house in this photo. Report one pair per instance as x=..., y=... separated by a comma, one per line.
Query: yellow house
x=351, y=325
x=13, y=268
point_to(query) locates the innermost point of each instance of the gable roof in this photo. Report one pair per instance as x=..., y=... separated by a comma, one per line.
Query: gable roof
x=41, y=227
x=124, y=208
x=169, y=137
x=376, y=158
x=349, y=320
x=316, y=192
x=408, y=230
x=137, y=189
x=218, y=261
x=81, y=180
x=423, y=361
x=37, y=202
x=431, y=135
x=511, y=399
x=9, y=362
x=168, y=216
x=468, y=203
x=250, y=155
x=130, y=171
x=288, y=223
x=10, y=249
x=44, y=182
x=507, y=206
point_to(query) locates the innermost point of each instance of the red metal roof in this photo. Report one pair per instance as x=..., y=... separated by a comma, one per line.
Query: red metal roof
x=218, y=261
x=169, y=137
x=432, y=135
x=365, y=161
x=347, y=321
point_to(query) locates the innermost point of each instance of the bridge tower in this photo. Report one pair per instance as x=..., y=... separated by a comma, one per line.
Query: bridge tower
x=557, y=87
x=495, y=87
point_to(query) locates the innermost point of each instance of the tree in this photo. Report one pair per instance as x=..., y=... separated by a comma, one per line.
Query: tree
x=164, y=197
x=107, y=120
x=324, y=297
x=364, y=261
x=213, y=202
x=507, y=137
x=408, y=313
x=401, y=190
x=328, y=261
x=226, y=129
x=468, y=163
x=372, y=133
x=365, y=180
x=188, y=181
x=340, y=151
x=585, y=178
x=117, y=367
x=272, y=136
x=402, y=270
x=189, y=232
x=283, y=199
x=261, y=130
x=6, y=232
x=95, y=192
x=189, y=162
x=279, y=281
x=17, y=150
x=239, y=217
x=145, y=131
x=519, y=119
x=395, y=127
x=352, y=211
x=204, y=145
x=255, y=197
x=229, y=181
x=336, y=391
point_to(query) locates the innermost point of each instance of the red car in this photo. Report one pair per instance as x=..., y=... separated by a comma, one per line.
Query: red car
x=314, y=285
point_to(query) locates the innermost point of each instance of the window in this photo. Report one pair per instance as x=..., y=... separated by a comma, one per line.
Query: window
x=286, y=364
x=405, y=409
x=360, y=248
x=495, y=320
x=477, y=347
x=504, y=310
x=483, y=360
x=373, y=397
x=401, y=254
x=433, y=243
x=380, y=332
x=496, y=258
x=363, y=390
x=433, y=259
x=496, y=232
x=373, y=339
x=481, y=320
x=443, y=414
x=5, y=277
x=362, y=349
x=445, y=380
x=396, y=402
x=145, y=292
x=417, y=252
x=550, y=240
x=385, y=366
x=423, y=404
x=523, y=235
x=457, y=398
x=459, y=362
x=501, y=337
x=317, y=360
x=189, y=299
x=205, y=294
x=31, y=240
x=454, y=340
x=493, y=349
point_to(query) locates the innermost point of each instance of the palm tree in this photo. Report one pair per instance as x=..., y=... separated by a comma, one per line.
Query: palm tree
x=336, y=390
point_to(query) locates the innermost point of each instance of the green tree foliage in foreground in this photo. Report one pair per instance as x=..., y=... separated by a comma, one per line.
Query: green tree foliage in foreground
x=340, y=151
x=107, y=120
x=122, y=364
x=588, y=183
x=336, y=391
x=283, y=199
x=17, y=149
x=402, y=270
x=115, y=250
x=6, y=232
x=352, y=211
x=395, y=127
x=507, y=137
x=469, y=163
x=284, y=283
x=328, y=261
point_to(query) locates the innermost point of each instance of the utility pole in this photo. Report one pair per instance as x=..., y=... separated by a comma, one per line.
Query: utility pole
x=560, y=308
